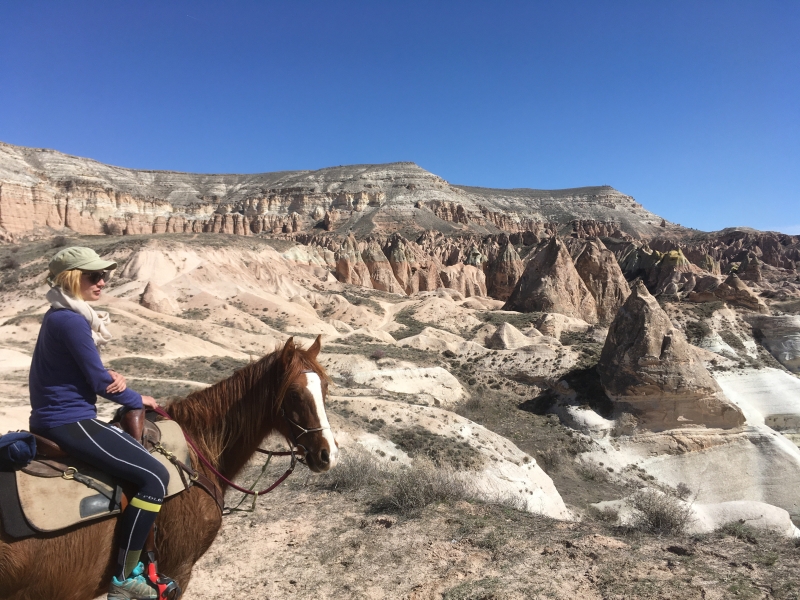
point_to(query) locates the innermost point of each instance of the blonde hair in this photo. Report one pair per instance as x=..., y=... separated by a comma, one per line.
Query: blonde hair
x=69, y=282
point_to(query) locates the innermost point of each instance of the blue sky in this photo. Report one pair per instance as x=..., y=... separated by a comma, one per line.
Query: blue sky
x=691, y=107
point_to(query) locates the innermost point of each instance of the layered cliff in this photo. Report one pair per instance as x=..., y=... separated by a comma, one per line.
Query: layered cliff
x=44, y=188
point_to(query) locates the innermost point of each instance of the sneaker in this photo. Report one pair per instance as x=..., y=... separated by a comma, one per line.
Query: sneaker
x=135, y=587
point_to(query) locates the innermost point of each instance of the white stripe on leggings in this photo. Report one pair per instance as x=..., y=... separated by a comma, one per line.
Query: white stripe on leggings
x=128, y=439
x=161, y=483
x=130, y=537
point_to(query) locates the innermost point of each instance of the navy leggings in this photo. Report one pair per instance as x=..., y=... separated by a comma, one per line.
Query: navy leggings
x=115, y=452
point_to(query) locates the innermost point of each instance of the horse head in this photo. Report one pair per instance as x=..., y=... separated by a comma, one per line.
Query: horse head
x=304, y=422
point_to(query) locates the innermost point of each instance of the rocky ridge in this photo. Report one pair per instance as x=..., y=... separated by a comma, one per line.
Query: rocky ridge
x=44, y=188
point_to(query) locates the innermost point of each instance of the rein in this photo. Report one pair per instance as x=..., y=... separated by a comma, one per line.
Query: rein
x=211, y=467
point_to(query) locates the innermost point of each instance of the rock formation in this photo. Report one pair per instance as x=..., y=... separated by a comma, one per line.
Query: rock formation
x=554, y=324
x=503, y=270
x=550, y=283
x=350, y=267
x=781, y=336
x=466, y=279
x=750, y=269
x=671, y=273
x=599, y=270
x=414, y=271
x=43, y=188
x=734, y=291
x=508, y=337
x=380, y=270
x=649, y=369
x=155, y=299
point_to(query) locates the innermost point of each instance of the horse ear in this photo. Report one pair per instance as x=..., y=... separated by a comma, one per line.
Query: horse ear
x=315, y=347
x=288, y=351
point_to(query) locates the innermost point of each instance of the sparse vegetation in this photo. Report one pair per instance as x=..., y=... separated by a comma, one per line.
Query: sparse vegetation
x=518, y=320
x=201, y=368
x=408, y=490
x=660, y=513
x=412, y=325
x=405, y=489
x=196, y=314
x=60, y=241
x=696, y=331
x=443, y=451
x=10, y=262
x=279, y=323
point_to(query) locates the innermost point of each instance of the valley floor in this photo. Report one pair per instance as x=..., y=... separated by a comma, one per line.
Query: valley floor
x=306, y=541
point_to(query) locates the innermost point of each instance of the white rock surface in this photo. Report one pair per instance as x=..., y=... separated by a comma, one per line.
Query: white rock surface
x=706, y=518
x=508, y=337
x=766, y=396
x=438, y=340
x=709, y=517
x=781, y=336
x=433, y=384
x=507, y=470
x=554, y=324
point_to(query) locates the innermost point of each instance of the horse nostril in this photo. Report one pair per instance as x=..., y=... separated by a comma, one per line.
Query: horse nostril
x=324, y=457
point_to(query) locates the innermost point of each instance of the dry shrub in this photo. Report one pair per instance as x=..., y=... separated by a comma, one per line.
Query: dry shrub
x=514, y=501
x=739, y=530
x=683, y=491
x=607, y=514
x=406, y=489
x=550, y=459
x=9, y=263
x=412, y=488
x=660, y=513
x=591, y=471
x=356, y=470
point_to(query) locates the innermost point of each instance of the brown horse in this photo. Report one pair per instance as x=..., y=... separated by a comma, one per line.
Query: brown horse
x=283, y=392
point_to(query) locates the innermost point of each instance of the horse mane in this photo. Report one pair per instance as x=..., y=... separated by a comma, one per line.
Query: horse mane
x=241, y=410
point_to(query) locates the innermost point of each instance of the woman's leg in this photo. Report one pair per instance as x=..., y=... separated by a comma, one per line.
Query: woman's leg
x=115, y=452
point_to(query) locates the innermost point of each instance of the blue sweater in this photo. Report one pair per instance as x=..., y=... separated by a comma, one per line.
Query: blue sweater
x=67, y=373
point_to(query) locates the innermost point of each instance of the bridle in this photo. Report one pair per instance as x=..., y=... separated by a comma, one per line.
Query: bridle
x=303, y=430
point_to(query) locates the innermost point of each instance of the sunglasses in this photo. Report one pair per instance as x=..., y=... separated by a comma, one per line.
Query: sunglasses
x=94, y=277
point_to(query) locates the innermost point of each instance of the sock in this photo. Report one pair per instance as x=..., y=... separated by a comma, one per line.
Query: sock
x=137, y=520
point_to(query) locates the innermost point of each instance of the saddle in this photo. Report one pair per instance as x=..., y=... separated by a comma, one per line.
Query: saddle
x=56, y=491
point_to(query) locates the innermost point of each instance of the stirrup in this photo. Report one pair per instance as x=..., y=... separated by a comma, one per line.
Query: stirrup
x=168, y=589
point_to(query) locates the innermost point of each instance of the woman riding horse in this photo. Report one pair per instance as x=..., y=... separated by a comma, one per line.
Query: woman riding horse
x=66, y=377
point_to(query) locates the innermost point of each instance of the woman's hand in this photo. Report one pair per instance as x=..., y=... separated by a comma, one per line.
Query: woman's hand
x=118, y=384
x=149, y=402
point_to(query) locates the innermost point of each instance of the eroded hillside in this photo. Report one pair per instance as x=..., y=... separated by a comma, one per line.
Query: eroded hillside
x=538, y=434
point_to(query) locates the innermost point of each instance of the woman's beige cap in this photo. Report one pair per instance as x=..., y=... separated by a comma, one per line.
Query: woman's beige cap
x=78, y=257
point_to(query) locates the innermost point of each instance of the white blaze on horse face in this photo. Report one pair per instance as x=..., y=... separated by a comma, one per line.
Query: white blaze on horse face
x=315, y=387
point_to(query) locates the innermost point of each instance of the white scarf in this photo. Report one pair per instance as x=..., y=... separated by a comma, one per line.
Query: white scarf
x=98, y=321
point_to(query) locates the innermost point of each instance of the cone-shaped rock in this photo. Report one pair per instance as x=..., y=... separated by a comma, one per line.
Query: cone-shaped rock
x=734, y=291
x=550, y=283
x=508, y=337
x=380, y=270
x=649, y=369
x=414, y=271
x=156, y=300
x=466, y=279
x=601, y=273
x=503, y=272
x=750, y=269
x=350, y=268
